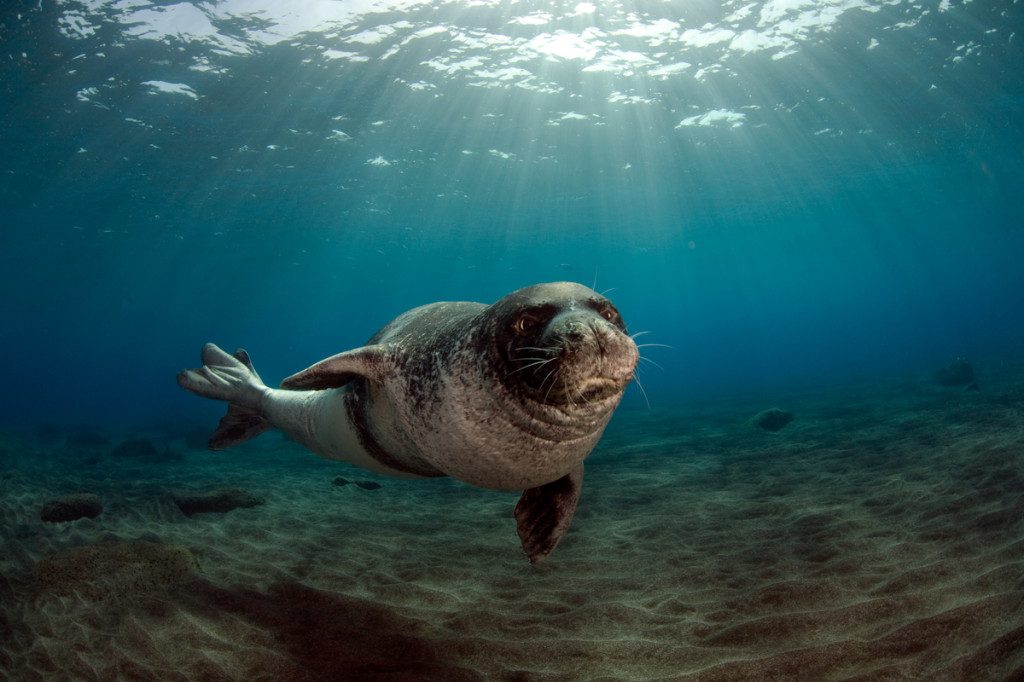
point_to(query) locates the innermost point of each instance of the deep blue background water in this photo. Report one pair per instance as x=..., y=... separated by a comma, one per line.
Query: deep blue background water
x=853, y=210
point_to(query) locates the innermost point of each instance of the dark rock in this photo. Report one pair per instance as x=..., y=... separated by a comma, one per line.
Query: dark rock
x=365, y=485
x=219, y=501
x=368, y=485
x=71, y=508
x=957, y=373
x=773, y=419
x=114, y=569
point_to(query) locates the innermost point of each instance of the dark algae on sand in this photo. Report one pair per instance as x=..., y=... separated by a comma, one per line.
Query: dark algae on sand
x=807, y=211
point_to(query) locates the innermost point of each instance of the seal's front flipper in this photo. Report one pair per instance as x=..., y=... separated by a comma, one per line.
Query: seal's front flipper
x=367, y=362
x=544, y=513
x=231, y=378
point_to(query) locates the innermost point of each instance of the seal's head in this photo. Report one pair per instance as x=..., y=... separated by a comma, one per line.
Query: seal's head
x=562, y=344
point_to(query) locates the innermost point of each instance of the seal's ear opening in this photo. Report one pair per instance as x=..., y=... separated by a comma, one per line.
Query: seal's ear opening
x=336, y=371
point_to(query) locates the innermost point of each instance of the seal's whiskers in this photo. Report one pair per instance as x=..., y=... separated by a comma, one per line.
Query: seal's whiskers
x=538, y=363
x=641, y=387
x=566, y=392
x=652, y=362
x=555, y=372
x=549, y=349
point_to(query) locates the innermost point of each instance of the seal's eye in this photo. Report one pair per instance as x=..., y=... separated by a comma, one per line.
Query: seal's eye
x=526, y=324
x=608, y=313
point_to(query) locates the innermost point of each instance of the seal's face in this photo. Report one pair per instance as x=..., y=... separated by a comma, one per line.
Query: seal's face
x=563, y=344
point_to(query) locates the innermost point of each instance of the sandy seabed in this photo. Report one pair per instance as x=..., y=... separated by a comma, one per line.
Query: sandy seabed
x=878, y=536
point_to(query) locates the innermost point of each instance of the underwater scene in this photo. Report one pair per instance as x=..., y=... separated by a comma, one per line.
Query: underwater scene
x=512, y=340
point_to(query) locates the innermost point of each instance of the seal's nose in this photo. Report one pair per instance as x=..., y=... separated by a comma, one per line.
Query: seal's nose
x=573, y=327
x=576, y=331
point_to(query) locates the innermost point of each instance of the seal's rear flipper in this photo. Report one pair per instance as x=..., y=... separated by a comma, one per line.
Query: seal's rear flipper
x=237, y=426
x=231, y=378
x=544, y=513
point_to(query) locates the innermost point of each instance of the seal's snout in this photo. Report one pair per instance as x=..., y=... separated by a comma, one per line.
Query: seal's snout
x=596, y=358
x=574, y=330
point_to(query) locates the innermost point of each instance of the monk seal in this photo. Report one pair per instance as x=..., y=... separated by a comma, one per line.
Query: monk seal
x=511, y=396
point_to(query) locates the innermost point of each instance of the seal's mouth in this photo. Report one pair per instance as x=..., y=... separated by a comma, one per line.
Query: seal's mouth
x=589, y=390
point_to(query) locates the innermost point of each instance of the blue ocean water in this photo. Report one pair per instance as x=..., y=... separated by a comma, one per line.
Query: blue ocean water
x=809, y=207
x=787, y=193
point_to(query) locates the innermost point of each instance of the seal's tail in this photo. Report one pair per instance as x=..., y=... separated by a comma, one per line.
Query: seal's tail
x=233, y=379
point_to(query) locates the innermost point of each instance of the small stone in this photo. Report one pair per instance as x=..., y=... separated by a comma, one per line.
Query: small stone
x=71, y=508
x=368, y=485
x=219, y=501
x=773, y=419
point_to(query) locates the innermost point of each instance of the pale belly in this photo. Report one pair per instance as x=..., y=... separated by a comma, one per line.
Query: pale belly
x=319, y=421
